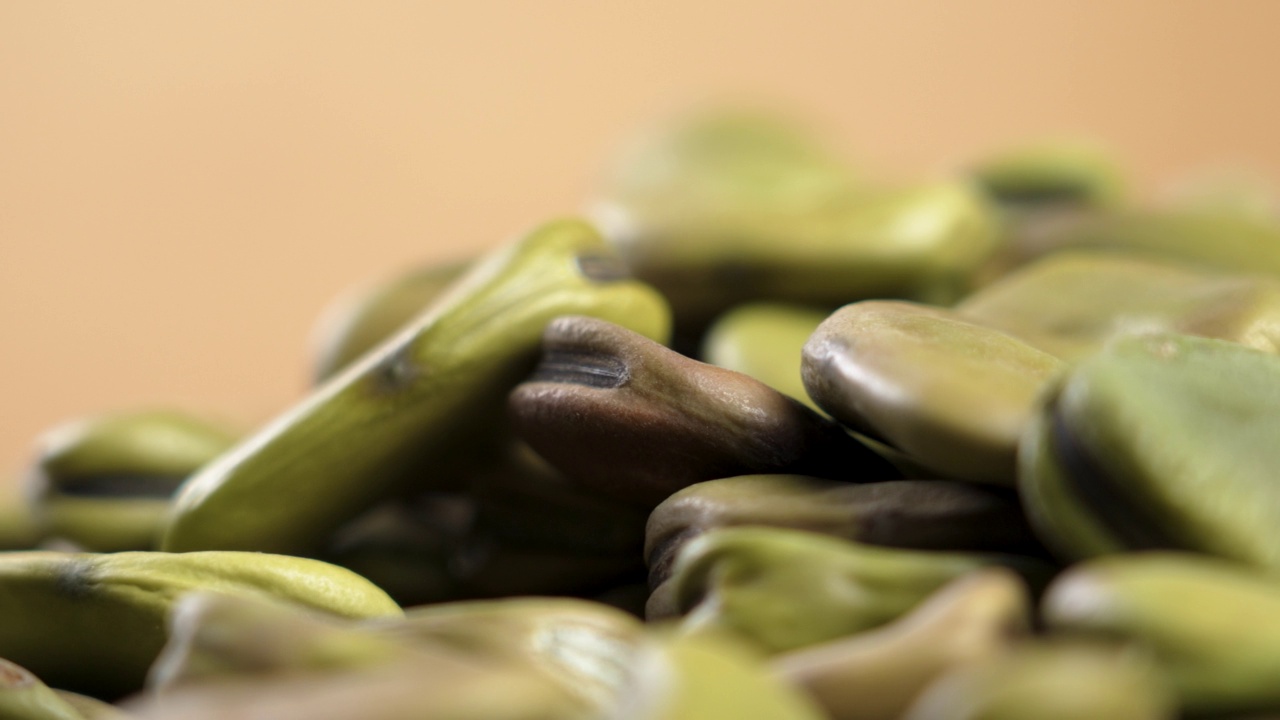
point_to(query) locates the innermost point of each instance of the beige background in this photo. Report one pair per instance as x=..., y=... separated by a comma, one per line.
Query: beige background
x=183, y=185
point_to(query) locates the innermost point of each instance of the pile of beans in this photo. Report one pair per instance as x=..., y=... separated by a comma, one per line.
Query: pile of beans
x=758, y=437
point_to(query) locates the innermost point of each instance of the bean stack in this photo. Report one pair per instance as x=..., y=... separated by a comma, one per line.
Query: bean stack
x=757, y=437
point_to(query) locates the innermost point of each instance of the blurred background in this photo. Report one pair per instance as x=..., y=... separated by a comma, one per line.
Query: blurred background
x=184, y=186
